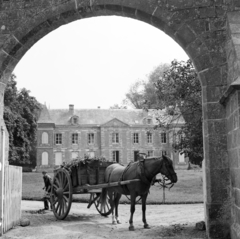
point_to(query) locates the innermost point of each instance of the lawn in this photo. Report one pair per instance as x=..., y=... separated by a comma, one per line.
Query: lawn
x=188, y=189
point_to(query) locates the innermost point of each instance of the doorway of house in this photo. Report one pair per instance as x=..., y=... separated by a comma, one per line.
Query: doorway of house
x=116, y=156
x=136, y=155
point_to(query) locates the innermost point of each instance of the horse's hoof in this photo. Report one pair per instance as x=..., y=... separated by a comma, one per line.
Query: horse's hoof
x=146, y=226
x=114, y=223
x=131, y=228
x=119, y=222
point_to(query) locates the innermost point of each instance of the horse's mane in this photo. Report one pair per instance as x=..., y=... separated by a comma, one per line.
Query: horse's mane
x=168, y=158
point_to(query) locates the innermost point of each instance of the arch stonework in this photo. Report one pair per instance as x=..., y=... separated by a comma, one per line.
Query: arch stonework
x=208, y=30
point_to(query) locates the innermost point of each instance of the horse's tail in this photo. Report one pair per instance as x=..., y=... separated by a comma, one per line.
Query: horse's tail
x=104, y=196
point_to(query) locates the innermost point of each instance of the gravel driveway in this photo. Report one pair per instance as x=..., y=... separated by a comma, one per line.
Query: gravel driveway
x=166, y=221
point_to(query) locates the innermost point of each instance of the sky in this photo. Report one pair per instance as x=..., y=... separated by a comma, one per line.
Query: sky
x=92, y=62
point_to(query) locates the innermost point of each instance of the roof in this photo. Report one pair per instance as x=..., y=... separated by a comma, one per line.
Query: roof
x=45, y=116
x=102, y=116
x=93, y=116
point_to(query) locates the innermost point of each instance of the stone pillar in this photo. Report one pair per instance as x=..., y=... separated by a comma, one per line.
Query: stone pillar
x=231, y=100
x=217, y=177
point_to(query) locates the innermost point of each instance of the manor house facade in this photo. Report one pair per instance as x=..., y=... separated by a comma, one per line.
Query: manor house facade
x=115, y=134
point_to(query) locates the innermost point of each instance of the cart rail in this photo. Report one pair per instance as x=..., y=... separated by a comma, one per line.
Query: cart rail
x=86, y=187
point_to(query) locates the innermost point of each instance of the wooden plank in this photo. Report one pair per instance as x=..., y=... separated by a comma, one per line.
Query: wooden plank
x=2, y=164
x=87, y=187
x=12, y=197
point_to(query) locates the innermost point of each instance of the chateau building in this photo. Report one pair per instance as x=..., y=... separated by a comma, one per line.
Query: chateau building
x=115, y=134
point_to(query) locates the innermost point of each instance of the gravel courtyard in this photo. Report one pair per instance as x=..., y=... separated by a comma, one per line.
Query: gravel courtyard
x=166, y=221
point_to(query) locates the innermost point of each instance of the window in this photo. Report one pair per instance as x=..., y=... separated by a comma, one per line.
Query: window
x=44, y=158
x=115, y=156
x=149, y=121
x=44, y=138
x=91, y=154
x=181, y=158
x=150, y=153
x=58, y=139
x=75, y=138
x=91, y=138
x=135, y=138
x=58, y=158
x=164, y=137
x=149, y=138
x=115, y=138
x=164, y=152
x=75, y=120
x=74, y=155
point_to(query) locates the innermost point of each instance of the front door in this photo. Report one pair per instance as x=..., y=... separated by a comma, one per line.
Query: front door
x=116, y=156
x=136, y=156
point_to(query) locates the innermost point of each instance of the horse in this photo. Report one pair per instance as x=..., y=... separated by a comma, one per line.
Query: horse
x=145, y=170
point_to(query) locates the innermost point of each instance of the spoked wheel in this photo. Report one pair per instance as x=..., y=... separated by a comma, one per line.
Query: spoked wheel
x=103, y=209
x=61, y=194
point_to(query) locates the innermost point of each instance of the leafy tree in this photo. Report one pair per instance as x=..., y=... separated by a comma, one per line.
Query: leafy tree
x=179, y=90
x=142, y=94
x=20, y=114
x=176, y=89
x=135, y=96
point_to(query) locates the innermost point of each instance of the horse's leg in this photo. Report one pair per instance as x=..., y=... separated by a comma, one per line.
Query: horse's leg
x=111, y=200
x=144, y=199
x=117, y=198
x=132, y=210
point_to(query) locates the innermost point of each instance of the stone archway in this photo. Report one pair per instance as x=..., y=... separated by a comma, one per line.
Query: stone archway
x=205, y=29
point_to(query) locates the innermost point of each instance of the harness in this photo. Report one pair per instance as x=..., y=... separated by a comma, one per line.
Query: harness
x=141, y=172
x=124, y=187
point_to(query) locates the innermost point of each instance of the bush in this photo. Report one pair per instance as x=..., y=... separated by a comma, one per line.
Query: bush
x=26, y=169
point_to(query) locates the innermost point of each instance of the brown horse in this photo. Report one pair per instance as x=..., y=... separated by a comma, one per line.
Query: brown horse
x=145, y=170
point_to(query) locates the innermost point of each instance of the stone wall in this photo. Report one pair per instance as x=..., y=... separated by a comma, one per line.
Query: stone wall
x=206, y=29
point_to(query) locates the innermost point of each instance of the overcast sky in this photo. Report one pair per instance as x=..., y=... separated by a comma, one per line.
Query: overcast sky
x=93, y=62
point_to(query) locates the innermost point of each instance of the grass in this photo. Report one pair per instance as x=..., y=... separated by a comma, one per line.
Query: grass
x=188, y=189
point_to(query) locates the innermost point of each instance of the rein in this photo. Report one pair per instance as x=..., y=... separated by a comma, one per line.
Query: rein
x=163, y=184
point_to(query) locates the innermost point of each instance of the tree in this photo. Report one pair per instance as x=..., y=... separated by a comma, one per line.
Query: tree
x=20, y=114
x=179, y=90
x=142, y=94
x=116, y=106
x=135, y=95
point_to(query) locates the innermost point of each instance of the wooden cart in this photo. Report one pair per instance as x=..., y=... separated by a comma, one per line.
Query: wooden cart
x=86, y=177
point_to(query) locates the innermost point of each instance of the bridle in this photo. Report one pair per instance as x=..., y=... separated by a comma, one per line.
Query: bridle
x=147, y=181
x=162, y=182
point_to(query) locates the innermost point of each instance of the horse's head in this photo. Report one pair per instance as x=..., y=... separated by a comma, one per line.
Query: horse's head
x=167, y=169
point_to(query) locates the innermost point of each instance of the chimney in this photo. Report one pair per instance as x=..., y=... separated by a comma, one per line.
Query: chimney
x=71, y=109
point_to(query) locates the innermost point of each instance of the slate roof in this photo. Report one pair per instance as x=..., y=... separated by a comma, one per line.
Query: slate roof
x=100, y=116
x=45, y=116
x=93, y=116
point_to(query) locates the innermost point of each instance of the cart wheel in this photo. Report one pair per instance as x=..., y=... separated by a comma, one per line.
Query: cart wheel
x=104, y=210
x=61, y=194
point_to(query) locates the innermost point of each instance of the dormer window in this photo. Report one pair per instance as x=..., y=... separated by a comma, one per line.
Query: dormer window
x=149, y=121
x=74, y=120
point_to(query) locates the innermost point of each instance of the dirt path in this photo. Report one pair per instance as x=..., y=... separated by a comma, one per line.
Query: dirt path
x=166, y=221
